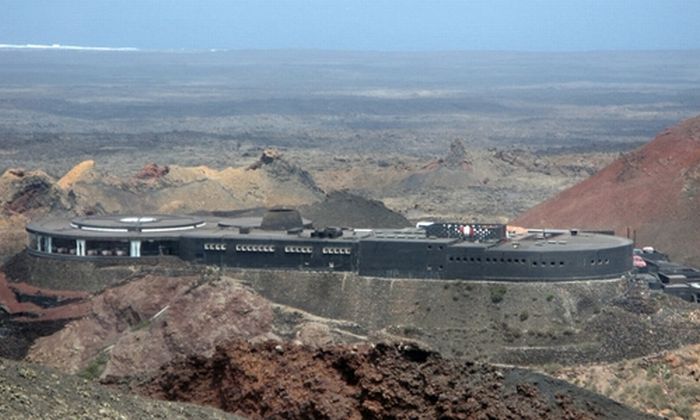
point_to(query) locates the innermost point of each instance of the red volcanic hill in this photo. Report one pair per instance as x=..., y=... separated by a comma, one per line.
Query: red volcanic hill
x=653, y=190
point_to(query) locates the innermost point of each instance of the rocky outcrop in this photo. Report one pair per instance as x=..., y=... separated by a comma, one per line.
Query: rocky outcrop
x=152, y=171
x=31, y=193
x=180, y=189
x=283, y=171
x=75, y=174
x=267, y=157
x=147, y=322
x=457, y=158
x=25, y=195
x=270, y=380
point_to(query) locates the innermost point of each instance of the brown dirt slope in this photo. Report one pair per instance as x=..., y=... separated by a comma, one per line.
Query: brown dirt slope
x=653, y=191
x=269, y=380
x=146, y=322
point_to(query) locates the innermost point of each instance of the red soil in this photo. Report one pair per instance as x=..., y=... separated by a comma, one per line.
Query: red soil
x=75, y=306
x=271, y=380
x=653, y=191
x=152, y=171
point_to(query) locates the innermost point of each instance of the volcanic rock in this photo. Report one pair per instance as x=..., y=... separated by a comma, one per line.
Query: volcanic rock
x=147, y=322
x=25, y=195
x=152, y=171
x=665, y=384
x=180, y=189
x=75, y=174
x=268, y=156
x=13, y=237
x=30, y=193
x=342, y=208
x=457, y=158
x=283, y=171
x=270, y=380
x=653, y=191
x=436, y=177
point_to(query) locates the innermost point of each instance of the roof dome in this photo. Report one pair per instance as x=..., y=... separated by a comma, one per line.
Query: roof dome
x=281, y=219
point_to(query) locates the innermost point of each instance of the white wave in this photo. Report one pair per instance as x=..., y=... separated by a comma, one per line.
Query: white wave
x=64, y=47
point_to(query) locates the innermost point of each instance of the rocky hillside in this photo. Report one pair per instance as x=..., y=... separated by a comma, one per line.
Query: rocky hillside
x=269, y=181
x=666, y=384
x=24, y=195
x=524, y=324
x=463, y=184
x=31, y=192
x=654, y=191
x=135, y=328
x=269, y=380
x=341, y=208
x=231, y=341
x=31, y=391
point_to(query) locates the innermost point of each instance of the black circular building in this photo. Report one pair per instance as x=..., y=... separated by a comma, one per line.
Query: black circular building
x=281, y=239
x=111, y=236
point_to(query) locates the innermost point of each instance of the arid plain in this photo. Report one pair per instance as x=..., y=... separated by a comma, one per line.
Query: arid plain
x=361, y=139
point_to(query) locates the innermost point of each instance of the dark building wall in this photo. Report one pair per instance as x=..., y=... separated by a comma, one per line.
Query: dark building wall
x=255, y=253
x=408, y=258
x=414, y=259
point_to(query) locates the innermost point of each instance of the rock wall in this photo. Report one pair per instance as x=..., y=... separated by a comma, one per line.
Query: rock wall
x=478, y=320
x=73, y=274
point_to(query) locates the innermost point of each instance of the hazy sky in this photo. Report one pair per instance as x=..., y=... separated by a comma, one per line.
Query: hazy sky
x=545, y=25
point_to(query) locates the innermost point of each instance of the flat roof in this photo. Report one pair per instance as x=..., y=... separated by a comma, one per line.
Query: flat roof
x=118, y=227
x=156, y=226
x=136, y=222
